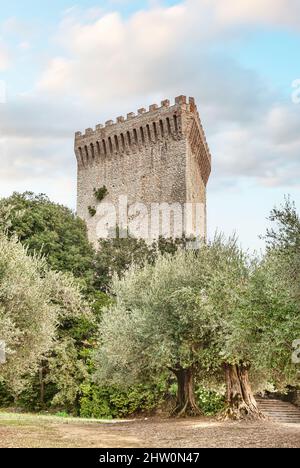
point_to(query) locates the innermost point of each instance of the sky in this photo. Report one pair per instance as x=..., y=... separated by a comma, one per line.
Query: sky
x=66, y=66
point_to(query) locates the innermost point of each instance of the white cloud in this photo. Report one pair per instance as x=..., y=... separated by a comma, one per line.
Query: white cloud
x=39, y=164
x=107, y=65
x=268, y=12
x=283, y=125
x=115, y=57
x=157, y=49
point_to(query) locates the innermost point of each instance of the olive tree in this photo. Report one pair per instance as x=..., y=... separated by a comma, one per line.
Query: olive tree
x=33, y=300
x=267, y=322
x=275, y=298
x=174, y=315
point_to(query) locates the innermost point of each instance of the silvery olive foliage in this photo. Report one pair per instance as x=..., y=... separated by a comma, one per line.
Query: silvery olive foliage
x=202, y=310
x=67, y=372
x=268, y=327
x=174, y=313
x=33, y=299
x=274, y=323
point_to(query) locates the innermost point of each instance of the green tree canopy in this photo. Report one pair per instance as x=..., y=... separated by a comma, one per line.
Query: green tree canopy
x=49, y=229
x=283, y=240
x=213, y=314
x=274, y=323
x=33, y=301
x=173, y=315
x=116, y=255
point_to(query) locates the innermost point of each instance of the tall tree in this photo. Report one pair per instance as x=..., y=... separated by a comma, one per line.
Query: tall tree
x=267, y=321
x=49, y=229
x=33, y=300
x=174, y=315
x=283, y=239
x=276, y=295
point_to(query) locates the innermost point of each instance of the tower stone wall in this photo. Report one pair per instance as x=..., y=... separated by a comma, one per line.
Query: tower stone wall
x=152, y=157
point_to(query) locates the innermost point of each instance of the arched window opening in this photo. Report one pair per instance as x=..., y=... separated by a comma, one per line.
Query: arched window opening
x=135, y=135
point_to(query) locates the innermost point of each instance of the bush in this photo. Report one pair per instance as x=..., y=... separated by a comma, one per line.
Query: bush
x=112, y=402
x=62, y=414
x=209, y=402
x=6, y=398
x=30, y=398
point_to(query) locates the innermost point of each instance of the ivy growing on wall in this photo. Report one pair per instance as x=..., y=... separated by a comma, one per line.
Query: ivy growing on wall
x=100, y=193
x=92, y=211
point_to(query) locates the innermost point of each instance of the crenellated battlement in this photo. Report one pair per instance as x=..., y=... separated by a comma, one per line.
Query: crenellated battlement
x=144, y=128
x=153, y=108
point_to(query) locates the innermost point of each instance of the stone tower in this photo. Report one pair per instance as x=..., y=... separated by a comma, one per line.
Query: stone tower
x=159, y=156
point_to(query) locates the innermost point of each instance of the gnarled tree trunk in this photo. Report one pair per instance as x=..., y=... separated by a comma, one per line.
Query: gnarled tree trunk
x=186, y=402
x=239, y=396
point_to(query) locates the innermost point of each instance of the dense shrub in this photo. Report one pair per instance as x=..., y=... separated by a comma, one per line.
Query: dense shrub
x=6, y=398
x=113, y=402
x=210, y=403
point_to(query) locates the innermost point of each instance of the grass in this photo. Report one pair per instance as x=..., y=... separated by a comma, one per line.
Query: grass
x=11, y=419
x=29, y=430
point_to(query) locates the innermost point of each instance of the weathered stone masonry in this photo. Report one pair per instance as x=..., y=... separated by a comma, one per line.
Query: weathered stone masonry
x=159, y=156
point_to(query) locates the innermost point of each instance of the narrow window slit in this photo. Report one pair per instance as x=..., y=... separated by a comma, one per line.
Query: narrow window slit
x=104, y=147
x=176, y=123
x=123, y=141
x=93, y=151
x=110, y=145
x=169, y=126
x=155, y=131
x=148, y=132
x=117, y=143
x=162, y=132
x=86, y=153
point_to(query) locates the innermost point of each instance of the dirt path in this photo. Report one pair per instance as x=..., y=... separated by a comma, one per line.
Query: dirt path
x=48, y=432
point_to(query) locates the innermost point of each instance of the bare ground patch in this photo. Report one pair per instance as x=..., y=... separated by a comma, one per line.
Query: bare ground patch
x=36, y=431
